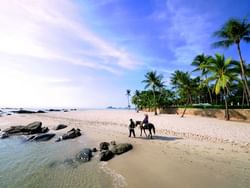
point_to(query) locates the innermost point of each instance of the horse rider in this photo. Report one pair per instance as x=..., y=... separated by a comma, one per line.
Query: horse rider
x=145, y=120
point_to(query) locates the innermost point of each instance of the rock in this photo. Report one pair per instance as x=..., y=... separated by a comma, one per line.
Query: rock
x=113, y=143
x=21, y=111
x=60, y=126
x=84, y=155
x=32, y=128
x=94, y=150
x=41, y=137
x=106, y=155
x=54, y=110
x=121, y=148
x=4, y=135
x=40, y=111
x=73, y=133
x=104, y=146
x=44, y=129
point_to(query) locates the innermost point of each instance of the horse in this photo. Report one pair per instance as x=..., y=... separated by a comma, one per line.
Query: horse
x=149, y=126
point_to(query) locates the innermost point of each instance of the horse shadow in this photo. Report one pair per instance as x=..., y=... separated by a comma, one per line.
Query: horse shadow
x=161, y=138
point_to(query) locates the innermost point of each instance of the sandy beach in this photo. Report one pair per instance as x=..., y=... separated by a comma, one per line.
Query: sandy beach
x=185, y=152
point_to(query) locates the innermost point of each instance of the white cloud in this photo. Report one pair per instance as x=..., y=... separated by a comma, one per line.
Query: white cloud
x=38, y=29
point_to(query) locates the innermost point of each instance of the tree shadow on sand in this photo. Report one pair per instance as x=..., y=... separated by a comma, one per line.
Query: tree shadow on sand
x=161, y=138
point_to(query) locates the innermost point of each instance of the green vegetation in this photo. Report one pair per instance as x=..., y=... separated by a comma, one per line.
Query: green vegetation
x=222, y=82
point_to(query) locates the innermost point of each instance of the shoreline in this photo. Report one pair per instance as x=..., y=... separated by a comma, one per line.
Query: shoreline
x=180, y=147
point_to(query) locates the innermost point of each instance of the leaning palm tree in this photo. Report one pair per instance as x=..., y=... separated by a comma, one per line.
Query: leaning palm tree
x=233, y=32
x=185, y=85
x=154, y=82
x=222, y=74
x=199, y=62
x=128, y=93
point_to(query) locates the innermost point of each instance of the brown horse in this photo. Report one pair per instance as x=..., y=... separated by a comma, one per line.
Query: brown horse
x=148, y=126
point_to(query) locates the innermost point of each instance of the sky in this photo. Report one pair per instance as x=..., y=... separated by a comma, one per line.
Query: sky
x=87, y=53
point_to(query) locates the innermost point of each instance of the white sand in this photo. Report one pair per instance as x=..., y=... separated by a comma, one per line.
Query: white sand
x=186, y=152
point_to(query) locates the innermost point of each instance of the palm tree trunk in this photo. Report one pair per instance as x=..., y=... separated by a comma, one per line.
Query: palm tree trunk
x=209, y=92
x=227, y=116
x=183, y=113
x=155, y=109
x=244, y=97
x=245, y=84
x=128, y=102
x=210, y=95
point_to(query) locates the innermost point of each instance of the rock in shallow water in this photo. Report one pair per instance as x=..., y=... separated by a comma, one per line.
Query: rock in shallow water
x=84, y=155
x=41, y=137
x=121, y=148
x=4, y=135
x=73, y=133
x=106, y=155
x=32, y=128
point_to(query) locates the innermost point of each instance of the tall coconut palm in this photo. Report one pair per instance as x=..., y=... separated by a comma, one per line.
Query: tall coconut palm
x=233, y=32
x=128, y=93
x=237, y=69
x=154, y=82
x=199, y=62
x=185, y=85
x=223, y=75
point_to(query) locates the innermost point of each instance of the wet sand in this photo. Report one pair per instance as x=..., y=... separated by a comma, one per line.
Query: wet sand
x=185, y=152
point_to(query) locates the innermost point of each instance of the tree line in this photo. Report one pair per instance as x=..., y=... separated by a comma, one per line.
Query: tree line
x=221, y=81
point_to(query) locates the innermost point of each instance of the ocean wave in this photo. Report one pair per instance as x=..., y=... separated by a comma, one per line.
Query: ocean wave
x=118, y=180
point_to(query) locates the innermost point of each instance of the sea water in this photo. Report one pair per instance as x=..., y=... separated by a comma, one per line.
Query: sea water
x=42, y=165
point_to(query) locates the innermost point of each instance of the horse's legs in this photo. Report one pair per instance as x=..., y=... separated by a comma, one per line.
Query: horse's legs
x=150, y=133
x=141, y=131
x=145, y=132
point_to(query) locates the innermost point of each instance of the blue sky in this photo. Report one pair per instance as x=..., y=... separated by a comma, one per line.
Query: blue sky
x=86, y=53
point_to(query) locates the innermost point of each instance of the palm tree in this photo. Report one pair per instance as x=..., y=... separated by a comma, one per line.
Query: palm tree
x=198, y=62
x=136, y=100
x=237, y=69
x=185, y=85
x=154, y=82
x=222, y=73
x=233, y=32
x=128, y=93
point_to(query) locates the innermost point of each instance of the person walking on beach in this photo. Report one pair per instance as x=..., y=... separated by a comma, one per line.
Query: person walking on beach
x=131, y=128
x=145, y=120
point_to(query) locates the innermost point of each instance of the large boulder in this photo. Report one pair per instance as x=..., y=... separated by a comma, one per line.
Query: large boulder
x=104, y=146
x=121, y=148
x=106, y=155
x=41, y=137
x=84, y=155
x=60, y=126
x=32, y=128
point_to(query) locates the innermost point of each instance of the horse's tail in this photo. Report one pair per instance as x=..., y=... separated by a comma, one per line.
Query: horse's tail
x=153, y=129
